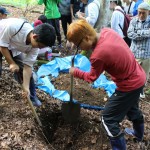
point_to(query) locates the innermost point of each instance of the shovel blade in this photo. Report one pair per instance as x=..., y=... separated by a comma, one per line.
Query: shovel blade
x=71, y=111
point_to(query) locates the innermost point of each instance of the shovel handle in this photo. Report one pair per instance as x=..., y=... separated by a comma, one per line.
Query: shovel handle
x=29, y=102
x=34, y=112
x=71, y=77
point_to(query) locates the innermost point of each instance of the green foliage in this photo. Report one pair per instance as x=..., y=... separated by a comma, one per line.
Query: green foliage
x=148, y=1
x=21, y=3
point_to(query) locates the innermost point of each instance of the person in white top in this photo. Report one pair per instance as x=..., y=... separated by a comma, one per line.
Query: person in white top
x=17, y=37
x=128, y=7
x=117, y=19
x=91, y=12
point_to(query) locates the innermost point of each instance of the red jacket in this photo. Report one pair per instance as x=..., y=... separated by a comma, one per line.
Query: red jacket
x=114, y=56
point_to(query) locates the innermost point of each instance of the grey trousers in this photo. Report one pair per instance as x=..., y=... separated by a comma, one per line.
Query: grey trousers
x=145, y=63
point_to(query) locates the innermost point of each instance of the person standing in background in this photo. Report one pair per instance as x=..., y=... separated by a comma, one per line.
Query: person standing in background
x=91, y=15
x=64, y=8
x=75, y=6
x=53, y=15
x=91, y=12
x=128, y=7
x=3, y=13
x=139, y=33
x=117, y=19
x=135, y=8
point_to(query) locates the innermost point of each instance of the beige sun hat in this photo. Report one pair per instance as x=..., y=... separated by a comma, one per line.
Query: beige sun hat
x=144, y=5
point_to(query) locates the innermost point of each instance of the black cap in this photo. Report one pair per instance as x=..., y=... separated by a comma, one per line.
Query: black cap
x=3, y=10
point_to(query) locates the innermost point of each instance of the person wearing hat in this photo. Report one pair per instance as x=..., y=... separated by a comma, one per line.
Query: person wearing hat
x=135, y=8
x=3, y=13
x=139, y=33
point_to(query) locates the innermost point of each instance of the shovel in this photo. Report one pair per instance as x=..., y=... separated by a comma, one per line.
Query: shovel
x=71, y=110
x=44, y=129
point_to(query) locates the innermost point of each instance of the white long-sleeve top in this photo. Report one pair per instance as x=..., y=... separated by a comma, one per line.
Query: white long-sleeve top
x=126, y=8
x=116, y=19
x=92, y=12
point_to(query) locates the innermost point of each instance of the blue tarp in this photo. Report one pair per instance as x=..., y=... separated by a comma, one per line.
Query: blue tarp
x=54, y=67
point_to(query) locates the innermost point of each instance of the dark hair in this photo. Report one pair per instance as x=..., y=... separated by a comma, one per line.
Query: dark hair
x=42, y=18
x=46, y=34
x=119, y=3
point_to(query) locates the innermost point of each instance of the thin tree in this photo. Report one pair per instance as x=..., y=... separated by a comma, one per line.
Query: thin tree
x=104, y=16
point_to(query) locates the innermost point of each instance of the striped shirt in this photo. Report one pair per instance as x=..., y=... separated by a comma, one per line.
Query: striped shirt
x=139, y=33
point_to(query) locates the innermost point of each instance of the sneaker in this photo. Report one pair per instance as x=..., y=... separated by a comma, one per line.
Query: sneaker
x=142, y=95
x=147, y=92
x=36, y=101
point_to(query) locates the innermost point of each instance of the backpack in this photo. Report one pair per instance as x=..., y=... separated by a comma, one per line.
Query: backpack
x=127, y=20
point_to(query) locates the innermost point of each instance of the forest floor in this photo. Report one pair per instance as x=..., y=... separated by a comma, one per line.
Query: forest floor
x=20, y=131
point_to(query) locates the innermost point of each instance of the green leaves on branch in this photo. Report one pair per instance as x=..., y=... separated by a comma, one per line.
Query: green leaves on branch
x=21, y=3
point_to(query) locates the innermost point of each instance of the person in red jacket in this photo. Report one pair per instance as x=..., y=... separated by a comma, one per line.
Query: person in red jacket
x=111, y=54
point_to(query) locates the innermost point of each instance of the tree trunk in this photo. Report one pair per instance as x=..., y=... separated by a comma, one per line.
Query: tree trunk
x=105, y=14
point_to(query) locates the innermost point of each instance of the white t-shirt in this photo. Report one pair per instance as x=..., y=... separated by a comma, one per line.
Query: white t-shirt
x=116, y=20
x=92, y=12
x=126, y=8
x=17, y=43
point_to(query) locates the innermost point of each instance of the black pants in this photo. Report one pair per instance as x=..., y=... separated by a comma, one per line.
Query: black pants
x=56, y=25
x=65, y=20
x=121, y=104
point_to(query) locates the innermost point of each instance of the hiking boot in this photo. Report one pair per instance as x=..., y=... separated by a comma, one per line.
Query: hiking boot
x=147, y=92
x=36, y=101
x=137, y=131
x=118, y=143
